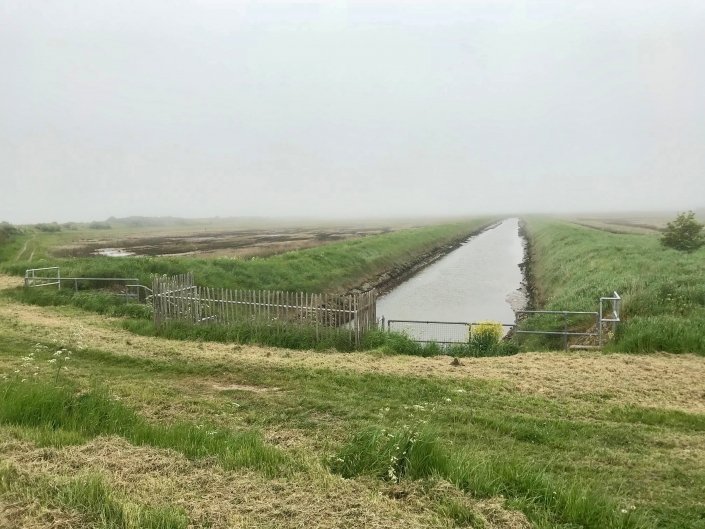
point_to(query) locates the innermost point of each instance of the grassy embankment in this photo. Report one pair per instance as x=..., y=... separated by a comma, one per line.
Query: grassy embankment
x=334, y=267
x=663, y=290
x=216, y=436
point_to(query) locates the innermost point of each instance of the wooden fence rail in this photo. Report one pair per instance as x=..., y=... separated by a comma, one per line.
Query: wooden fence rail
x=178, y=298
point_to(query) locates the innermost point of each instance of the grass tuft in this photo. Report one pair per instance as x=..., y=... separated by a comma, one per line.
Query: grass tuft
x=391, y=455
x=546, y=499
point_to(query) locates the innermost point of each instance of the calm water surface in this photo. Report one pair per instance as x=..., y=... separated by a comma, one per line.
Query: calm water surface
x=480, y=280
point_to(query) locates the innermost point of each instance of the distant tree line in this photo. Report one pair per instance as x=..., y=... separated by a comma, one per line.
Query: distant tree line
x=48, y=227
x=7, y=230
x=98, y=225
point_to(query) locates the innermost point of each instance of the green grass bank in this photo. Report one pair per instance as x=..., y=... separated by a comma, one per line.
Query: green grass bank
x=334, y=267
x=663, y=290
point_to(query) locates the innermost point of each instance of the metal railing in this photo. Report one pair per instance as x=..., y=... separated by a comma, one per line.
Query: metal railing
x=440, y=332
x=32, y=280
x=564, y=316
x=453, y=332
x=133, y=292
x=615, y=300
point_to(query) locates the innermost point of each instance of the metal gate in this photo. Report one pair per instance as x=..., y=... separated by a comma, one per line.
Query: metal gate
x=440, y=332
x=559, y=323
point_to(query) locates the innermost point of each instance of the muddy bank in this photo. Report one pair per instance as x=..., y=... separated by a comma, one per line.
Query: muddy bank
x=528, y=283
x=401, y=272
x=224, y=243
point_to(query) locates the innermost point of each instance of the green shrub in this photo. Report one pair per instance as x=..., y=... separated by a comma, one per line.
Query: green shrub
x=684, y=233
x=485, y=337
x=48, y=227
x=7, y=230
x=96, y=225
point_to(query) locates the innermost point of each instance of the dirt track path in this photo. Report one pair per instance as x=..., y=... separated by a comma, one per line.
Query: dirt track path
x=660, y=380
x=24, y=249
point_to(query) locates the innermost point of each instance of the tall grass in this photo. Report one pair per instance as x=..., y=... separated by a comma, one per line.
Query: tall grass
x=305, y=337
x=663, y=290
x=400, y=343
x=42, y=405
x=110, y=304
x=547, y=500
x=287, y=335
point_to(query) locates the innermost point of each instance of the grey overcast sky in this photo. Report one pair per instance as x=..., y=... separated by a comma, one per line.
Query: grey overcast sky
x=349, y=108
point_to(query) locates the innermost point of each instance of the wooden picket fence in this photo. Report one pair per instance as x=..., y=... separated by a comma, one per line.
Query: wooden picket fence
x=178, y=298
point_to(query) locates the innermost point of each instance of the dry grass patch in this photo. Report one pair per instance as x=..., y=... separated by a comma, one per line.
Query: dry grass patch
x=216, y=498
x=18, y=513
x=10, y=281
x=244, y=387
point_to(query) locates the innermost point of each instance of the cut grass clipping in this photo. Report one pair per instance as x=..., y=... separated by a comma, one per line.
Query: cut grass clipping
x=407, y=454
x=91, y=497
x=52, y=409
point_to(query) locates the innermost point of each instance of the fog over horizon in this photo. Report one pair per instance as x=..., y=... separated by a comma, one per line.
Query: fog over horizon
x=349, y=109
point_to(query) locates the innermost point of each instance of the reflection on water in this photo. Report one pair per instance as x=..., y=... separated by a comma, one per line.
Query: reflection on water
x=478, y=281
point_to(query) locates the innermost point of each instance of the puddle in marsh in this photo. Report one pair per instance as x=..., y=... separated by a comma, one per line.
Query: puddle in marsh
x=481, y=280
x=113, y=252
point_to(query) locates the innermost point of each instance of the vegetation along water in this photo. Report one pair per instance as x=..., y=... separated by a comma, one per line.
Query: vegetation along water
x=663, y=289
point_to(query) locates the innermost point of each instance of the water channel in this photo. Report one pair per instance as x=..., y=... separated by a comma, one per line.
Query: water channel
x=480, y=280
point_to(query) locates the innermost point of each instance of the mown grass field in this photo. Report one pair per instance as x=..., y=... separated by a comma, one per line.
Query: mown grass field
x=663, y=290
x=150, y=432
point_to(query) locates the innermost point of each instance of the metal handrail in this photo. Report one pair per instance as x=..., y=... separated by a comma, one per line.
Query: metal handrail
x=449, y=322
x=88, y=278
x=565, y=332
x=432, y=322
x=594, y=313
x=30, y=278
